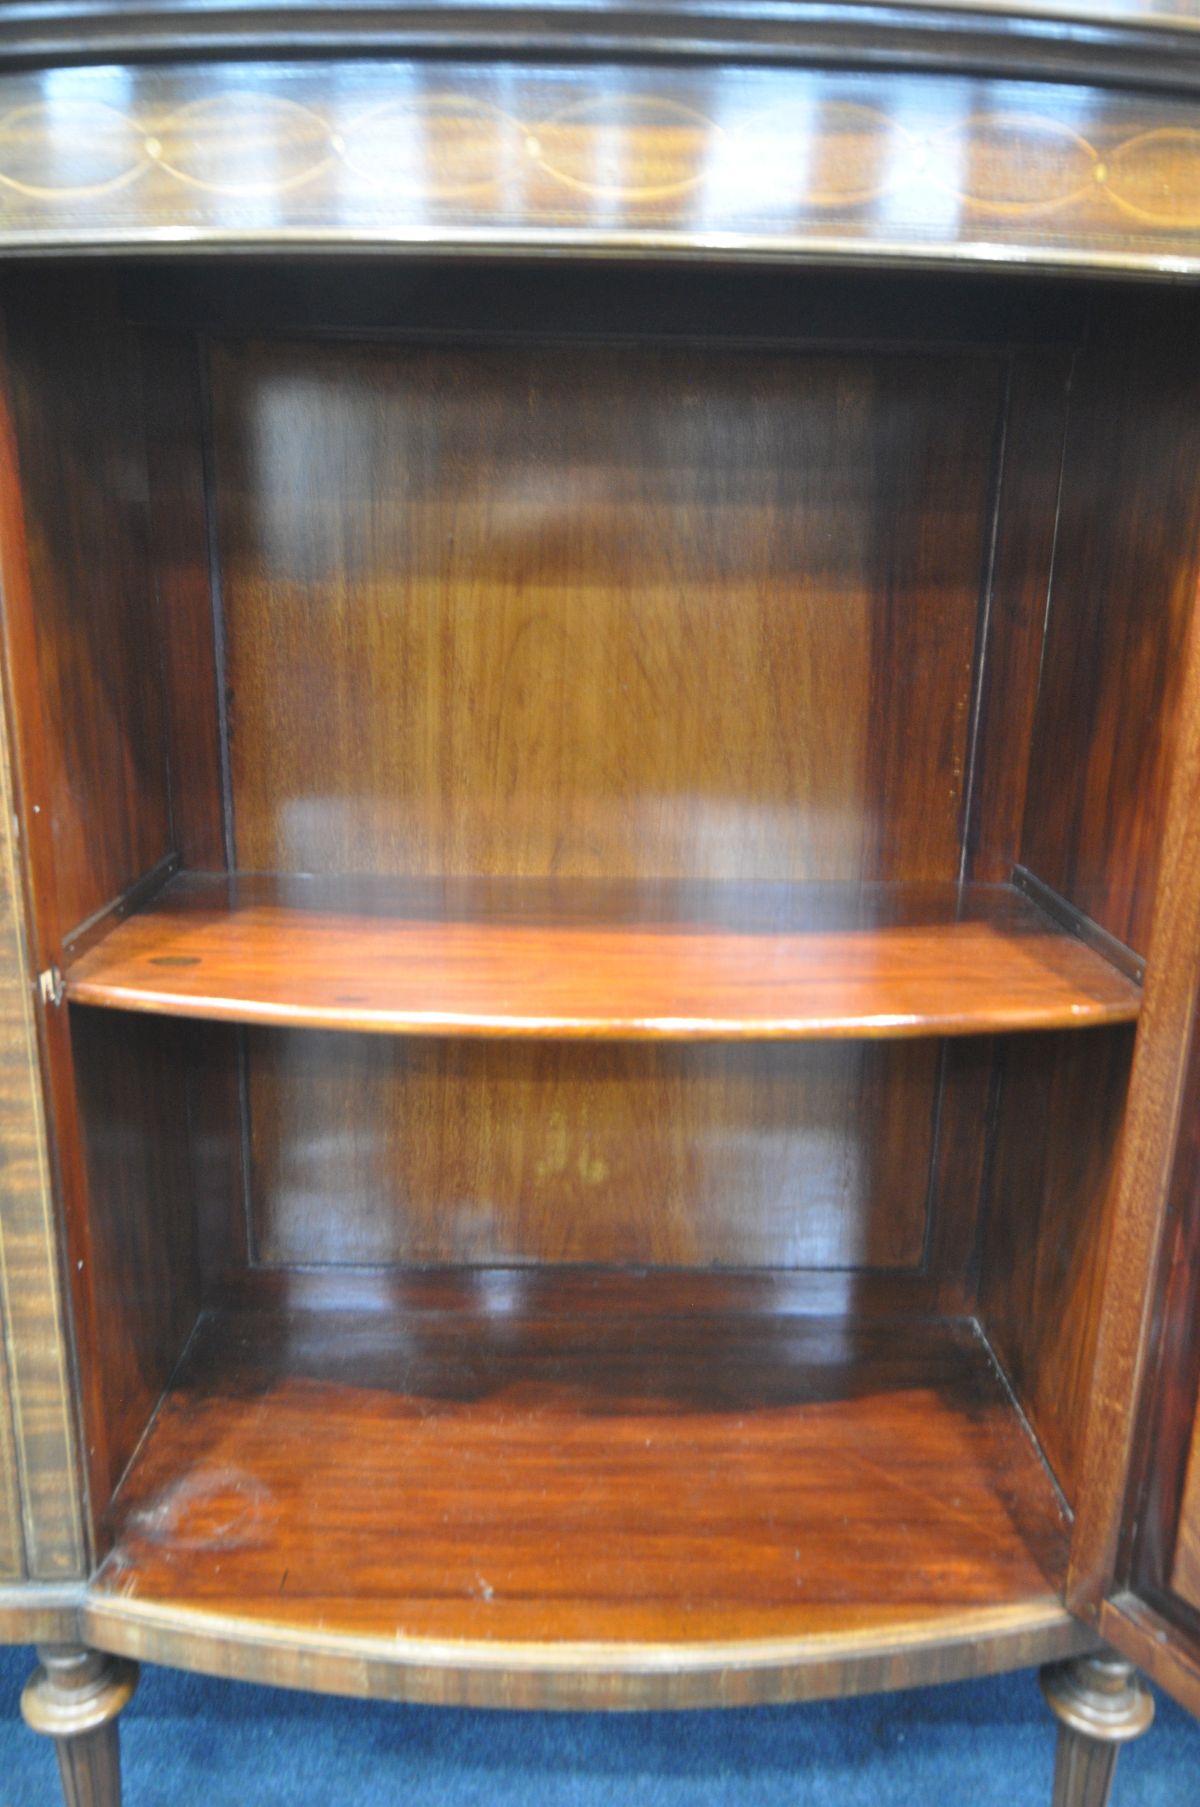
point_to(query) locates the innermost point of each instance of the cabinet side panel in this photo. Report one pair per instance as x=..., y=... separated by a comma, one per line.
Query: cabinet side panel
x=35, y=1331
x=137, y=1245
x=1124, y=577
x=1047, y=1226
x=77, y=405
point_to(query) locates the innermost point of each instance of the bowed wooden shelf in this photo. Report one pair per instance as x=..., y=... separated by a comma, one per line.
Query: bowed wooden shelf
x=594, y=959
x=541, y=1490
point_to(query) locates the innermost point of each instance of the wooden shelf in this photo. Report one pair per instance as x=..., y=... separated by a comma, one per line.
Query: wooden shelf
x=602, y=959
x=587, y=1488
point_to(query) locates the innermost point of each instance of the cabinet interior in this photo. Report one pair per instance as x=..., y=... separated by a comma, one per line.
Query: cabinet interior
x=599, y=829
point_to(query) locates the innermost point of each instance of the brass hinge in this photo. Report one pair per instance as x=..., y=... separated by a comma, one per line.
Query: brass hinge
x=50, y=984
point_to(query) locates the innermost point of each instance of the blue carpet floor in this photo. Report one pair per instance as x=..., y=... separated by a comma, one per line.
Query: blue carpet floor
x=190, y=1742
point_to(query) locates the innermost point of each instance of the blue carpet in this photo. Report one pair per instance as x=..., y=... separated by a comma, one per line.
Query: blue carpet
x=191, y=1742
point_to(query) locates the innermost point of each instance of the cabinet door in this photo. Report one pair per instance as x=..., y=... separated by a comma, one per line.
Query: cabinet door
x=1160, y=1600
x=1151, y=1608
x=1135, y=1548
x=1185, y=1569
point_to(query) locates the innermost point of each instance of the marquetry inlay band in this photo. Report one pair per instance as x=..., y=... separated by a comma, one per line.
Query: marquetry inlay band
x=766, y=160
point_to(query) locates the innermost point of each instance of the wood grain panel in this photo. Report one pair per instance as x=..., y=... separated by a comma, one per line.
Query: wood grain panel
x=374, y=1149
x=798, y=1292
x=1125, y=576
x=974, y=1641
x=735, y=161
x=1027, y=509
x=1185, y=1571
x=1161, y=1538
x=499, y=1480
x=597, y=959
x=579, y=611
x=45, y=1447
x=179, y=547
x=1164, y=1652
x=1047, y=1224
x=77, y=409
x=37, y=1435
x=135, y=1249
x=1134, y=1242
x=958, y=1178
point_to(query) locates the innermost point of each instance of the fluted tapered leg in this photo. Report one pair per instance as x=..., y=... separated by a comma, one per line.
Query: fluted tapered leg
x=74, y=1697
x=1100, y=1704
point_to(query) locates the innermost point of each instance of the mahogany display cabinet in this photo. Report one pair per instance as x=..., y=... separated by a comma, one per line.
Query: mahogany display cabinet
x=600, y=881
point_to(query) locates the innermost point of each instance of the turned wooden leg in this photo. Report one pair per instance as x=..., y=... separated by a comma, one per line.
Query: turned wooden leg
x=1100, y=1704
x=74, y=1697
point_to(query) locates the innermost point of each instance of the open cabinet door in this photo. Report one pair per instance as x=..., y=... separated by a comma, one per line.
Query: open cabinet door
x=1151, y=1607
x=1135, y=1560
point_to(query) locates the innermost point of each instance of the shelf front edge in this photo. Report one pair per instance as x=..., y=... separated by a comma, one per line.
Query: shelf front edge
x=568, y=1677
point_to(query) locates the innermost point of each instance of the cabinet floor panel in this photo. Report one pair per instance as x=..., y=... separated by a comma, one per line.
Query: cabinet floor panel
x=528, y=957
x=519, y=1484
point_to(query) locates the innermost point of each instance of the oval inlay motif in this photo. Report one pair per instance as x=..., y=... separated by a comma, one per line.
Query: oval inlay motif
x=243, y=144
x=69, y=149
x=632, y=147
x=840, y=154
x=441, y=145
x=1013, y=162
x=1156, y=177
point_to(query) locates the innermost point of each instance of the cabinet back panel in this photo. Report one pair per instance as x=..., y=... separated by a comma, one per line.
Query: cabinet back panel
x=600, y=610
x=385, y=1149
x=614, y=610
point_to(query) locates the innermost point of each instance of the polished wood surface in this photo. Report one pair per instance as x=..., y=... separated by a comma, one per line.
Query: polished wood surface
x=138, y=1250
x=1150, y=42
x=479, y=155
x=620, y=611
x=428, y=299
x=1157, y=1643
x=625, y=662
x=1100, y=1705
x=973, y=1641
x=42, y=1516
x=1046, y=1228
x=178, y=510
x=1143, y=1174
x=84, y=650
x=1170, y=1529
x=594, y=959
x=1163, y=1537
x=493, y=1477
x=74, y=1697
x=78, y=420
x=1185, y=1573
x=366, y=1149
x=1018, y=587
x=1126, y=567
